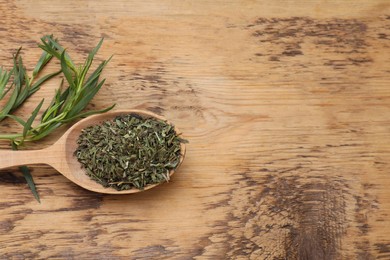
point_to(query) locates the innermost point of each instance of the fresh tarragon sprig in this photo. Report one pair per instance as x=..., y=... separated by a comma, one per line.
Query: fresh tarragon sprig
x=67, y=104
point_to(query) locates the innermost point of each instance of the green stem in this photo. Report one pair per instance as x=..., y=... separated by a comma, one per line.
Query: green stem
x=56, y=119
x=10, y=136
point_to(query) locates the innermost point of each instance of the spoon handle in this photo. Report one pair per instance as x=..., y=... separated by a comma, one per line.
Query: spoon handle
x=16, y=158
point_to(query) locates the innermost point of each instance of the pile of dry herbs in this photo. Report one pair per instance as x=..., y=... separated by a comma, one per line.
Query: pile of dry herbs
x=129, y=151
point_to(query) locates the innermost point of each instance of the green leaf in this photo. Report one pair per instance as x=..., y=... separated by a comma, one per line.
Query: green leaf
x=51, y=46
x=31, y=119
x=65, y=70
x=18, y=72
x=30, y=181
x=88, y=113
x=42, y=80
x=97, y=72
x=89, y=60
x=4, y=79
x=27, y=175
x=23, y=91
x=17, y=119
x=43, y=60
x=10, y=103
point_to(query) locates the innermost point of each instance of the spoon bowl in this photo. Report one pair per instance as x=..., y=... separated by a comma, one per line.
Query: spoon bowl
x=61, y=154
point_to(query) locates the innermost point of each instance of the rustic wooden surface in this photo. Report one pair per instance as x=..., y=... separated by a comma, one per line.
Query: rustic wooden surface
x=286, y=105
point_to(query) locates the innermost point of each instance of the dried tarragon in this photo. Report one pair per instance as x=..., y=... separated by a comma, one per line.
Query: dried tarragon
x=129, y=151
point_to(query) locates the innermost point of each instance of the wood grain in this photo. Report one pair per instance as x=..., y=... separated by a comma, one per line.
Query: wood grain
x=286, y=107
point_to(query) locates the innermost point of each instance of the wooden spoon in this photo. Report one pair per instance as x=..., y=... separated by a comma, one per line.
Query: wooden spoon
x=60, y=154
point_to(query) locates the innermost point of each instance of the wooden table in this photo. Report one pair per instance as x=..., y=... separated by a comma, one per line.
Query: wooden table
x=286, y=105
